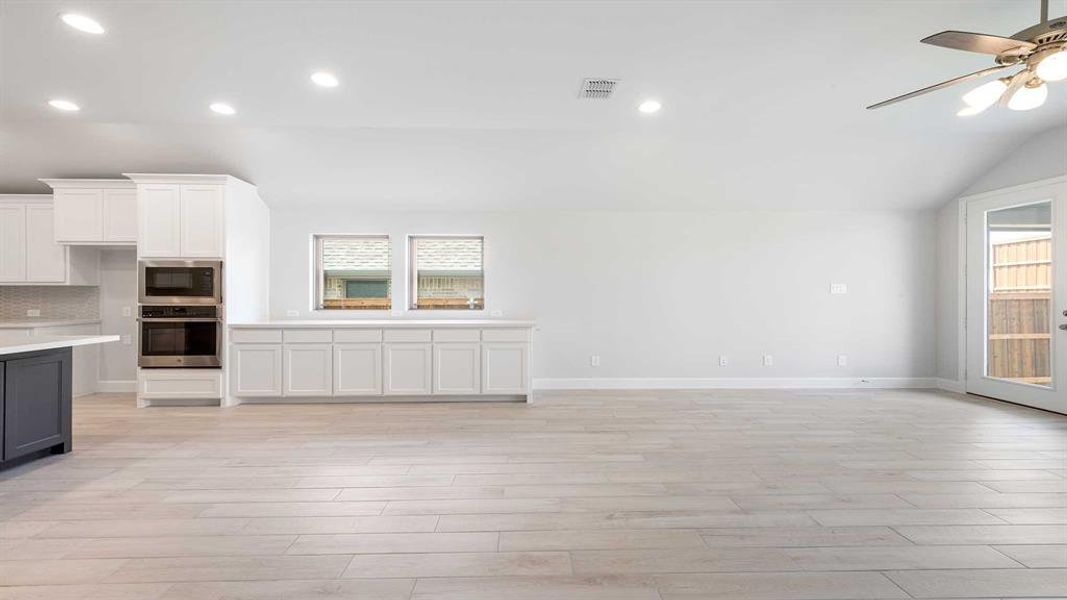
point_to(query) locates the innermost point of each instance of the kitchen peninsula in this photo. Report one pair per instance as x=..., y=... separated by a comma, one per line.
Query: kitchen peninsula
x=35, y=392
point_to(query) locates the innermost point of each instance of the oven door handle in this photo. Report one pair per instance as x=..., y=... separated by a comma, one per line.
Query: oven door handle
x=180, y=320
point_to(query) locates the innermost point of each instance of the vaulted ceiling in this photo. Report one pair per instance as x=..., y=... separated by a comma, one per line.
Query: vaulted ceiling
x=473, y=105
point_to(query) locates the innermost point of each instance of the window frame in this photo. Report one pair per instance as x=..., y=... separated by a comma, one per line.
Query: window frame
x=413, y=272
x=318, y=275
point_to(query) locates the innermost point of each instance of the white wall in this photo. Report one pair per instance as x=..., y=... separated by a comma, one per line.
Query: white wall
x=118, y=289
x=1041, y=157
x=664, y=294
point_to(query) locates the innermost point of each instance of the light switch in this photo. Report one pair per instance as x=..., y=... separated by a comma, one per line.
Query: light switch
x=722, y=361
x=496, y=313
x=594, y=360
x=842, y=360
x=838, y=288
x=127, y=311
x=768, y=360
x=292, y=313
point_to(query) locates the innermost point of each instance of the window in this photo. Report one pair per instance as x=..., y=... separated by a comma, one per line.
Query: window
x=446, y=272
x=353, y=272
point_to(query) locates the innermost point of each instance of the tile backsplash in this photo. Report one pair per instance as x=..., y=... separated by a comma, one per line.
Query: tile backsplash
x=54, y=302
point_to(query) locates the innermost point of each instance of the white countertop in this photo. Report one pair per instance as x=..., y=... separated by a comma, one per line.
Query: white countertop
x=387, y=323
x=16, y=324
x=16, y=343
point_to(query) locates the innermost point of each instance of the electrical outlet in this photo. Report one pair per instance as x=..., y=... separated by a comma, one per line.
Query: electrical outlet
x=842, y=360
x=127, y=311
x=33, y=312
x=127, y=340
x=292, y=313
x=722, y=360
x=496, y=313
x=768, y=360
x=594, y=360
x=838, y=288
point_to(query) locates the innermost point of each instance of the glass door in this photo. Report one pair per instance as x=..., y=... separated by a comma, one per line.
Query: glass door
x=1017, y=296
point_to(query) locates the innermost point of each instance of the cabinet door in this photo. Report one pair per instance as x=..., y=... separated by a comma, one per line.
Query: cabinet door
x=79, y=215
x=46, y=261
x=36, y=403
x=455, y=368
x=505, y=368
x=256, y=369
x=407, y=369
x=201, y=216
x=120, y=216
x=12, y=242
x=357, y=369
x=159, y=221
x=308, y=369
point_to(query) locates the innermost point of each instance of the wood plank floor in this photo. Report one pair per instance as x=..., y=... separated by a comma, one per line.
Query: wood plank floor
x=614, y=496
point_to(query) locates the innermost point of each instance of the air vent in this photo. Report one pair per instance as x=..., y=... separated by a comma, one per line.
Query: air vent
x=598, y=89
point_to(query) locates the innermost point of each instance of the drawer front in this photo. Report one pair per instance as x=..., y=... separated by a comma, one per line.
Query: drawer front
x=307, y=336
x=407, y=335
x=457, y=335
x=357, y=336
x=505, y=335
x=256, y=336
x=188, y=383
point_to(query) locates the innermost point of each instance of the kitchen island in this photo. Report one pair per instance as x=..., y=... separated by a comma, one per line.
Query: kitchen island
x=35, y=393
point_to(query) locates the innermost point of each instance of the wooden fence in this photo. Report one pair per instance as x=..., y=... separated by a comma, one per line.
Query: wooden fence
x=1020, y=330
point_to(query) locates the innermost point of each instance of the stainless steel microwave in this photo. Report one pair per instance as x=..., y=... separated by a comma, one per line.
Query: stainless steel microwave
x=180, y=281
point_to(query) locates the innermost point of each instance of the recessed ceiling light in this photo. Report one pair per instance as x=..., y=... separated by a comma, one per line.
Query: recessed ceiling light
x=64, y=105
x=82, y=23
x=222, y=108
x=650, y=106
x=324, y=79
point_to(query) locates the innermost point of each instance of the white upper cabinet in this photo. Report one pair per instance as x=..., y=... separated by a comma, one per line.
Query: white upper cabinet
x=46, y=261
x=201, y=221
x=159, y=220
x=120, y=216
x=180, y=220
x=12, y=242
x=29, y=253
x=94, y=211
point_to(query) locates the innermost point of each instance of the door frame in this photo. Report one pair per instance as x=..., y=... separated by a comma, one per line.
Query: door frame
x=963, y=320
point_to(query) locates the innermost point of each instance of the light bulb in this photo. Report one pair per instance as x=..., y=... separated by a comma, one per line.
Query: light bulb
x=985, y=95
x=222, y=108
x=82, y=23
x=1028, y=98
x=650, y=106
x=1053, y=67
x=324, y=79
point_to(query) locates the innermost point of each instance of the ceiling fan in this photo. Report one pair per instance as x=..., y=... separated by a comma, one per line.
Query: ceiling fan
x=1041, y=51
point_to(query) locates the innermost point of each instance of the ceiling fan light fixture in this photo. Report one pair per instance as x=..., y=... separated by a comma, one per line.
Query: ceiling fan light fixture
x=985, y=95
x=1029, y=97
x=1053, y=67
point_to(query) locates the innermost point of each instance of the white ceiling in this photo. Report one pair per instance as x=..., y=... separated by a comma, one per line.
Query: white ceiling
x=473, y=105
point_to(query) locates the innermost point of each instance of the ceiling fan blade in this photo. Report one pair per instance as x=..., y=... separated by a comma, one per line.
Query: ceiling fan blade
x=976, y=42
x=943, y=84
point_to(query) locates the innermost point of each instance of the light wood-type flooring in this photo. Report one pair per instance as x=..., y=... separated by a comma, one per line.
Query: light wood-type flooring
x=608, y=495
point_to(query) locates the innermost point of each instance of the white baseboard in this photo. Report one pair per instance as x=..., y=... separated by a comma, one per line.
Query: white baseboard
x=951, y=385
x=116, y=386
x=734, y=383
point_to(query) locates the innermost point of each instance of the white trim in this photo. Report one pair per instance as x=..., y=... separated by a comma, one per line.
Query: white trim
x=116, y=386
x=95, y=184
x=732, y=383
x=949, y=385
x=187, y=178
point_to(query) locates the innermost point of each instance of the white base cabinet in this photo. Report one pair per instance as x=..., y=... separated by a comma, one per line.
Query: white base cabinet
x=363, y=362
x=256, y=370
x=357, y=369
x=408, y=368
x=308, y=369
x=456, y=368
